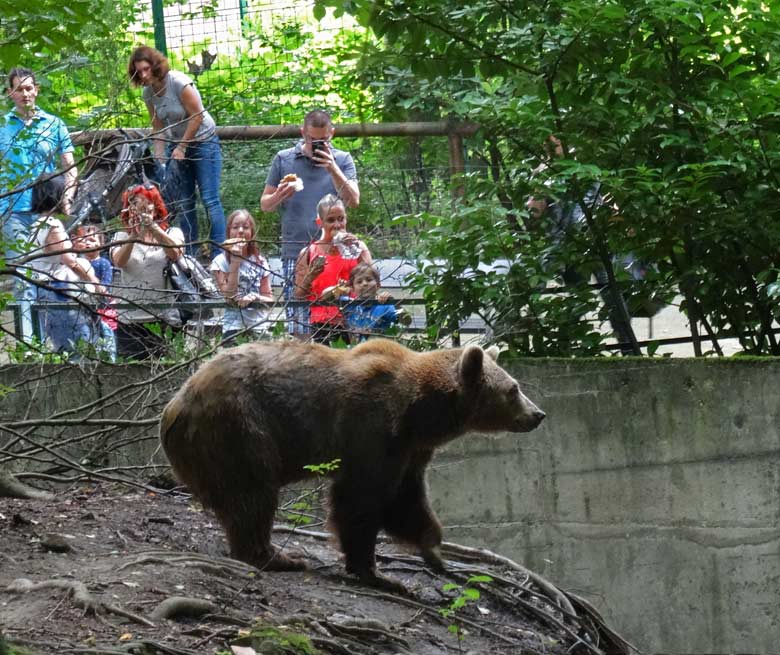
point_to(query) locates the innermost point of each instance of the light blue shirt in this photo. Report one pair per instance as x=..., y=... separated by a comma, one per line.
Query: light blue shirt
x=27, y=151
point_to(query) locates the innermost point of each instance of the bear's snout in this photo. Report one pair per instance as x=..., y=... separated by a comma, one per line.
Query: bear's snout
x=538, y=416
x=531, y=418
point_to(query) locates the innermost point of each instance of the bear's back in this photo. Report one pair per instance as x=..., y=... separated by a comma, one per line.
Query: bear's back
x=304, y=403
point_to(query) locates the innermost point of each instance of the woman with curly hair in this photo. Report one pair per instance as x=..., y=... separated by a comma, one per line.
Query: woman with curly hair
x=185, y=140
x=141, y=252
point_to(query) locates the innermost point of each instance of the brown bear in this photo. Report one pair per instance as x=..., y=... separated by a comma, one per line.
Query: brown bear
x=249, y=421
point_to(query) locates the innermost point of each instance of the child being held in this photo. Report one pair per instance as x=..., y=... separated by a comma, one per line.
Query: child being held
x=62, y=276
x=88, y=240
x=364, y=319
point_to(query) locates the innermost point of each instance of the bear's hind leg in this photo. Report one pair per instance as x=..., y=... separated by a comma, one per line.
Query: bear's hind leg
x=409, y=517
x=248, y=524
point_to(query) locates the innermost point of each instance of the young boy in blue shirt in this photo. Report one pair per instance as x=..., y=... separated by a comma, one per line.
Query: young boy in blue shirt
x=364, y=319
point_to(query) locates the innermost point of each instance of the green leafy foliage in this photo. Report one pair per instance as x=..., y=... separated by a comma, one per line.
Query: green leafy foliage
x=670, y=105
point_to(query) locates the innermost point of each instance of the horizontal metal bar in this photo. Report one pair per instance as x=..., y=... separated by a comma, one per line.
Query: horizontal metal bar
x=253, y=132
x=210, y=304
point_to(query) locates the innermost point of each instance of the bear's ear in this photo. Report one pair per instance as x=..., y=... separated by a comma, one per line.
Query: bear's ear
x=493, y=353
x=470, y=365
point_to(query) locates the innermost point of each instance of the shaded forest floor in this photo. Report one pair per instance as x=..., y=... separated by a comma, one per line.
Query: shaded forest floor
x=98, y=570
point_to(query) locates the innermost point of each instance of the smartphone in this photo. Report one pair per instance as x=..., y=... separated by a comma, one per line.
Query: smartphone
x=318, y=145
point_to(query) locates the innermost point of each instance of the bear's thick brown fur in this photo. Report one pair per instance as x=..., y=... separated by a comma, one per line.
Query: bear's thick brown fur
x=248, y=421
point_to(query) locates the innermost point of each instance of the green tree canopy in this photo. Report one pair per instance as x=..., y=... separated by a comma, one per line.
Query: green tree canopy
x=671, y=106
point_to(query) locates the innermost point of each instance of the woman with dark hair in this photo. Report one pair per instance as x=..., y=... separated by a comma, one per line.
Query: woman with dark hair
x=185, y=141
x=141, y=252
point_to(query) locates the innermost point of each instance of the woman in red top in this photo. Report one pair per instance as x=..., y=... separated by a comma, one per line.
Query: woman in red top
x=323, y=269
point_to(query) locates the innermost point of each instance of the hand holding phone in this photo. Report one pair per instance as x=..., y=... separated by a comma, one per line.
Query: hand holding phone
x=320, y=152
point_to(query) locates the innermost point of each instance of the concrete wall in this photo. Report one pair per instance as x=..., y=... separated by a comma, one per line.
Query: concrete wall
x=652, y=489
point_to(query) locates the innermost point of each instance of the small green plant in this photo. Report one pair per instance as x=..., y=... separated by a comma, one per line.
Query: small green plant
x=466, y=594
x=300, y=510
x=326, y=468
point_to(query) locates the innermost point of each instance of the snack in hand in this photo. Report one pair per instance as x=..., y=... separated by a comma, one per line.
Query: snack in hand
x=334, y=292
x=294, y=180
x=229, y=243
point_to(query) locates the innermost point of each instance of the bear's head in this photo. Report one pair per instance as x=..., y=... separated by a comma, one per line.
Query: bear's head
x=493, y=399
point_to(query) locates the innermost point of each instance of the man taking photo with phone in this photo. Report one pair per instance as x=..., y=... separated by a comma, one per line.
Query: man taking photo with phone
x=298, y=179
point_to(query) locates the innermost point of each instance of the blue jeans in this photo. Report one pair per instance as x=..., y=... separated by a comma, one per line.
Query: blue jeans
x=16, y=231
x=201, y=168
x=66, y=328
x=298, y=321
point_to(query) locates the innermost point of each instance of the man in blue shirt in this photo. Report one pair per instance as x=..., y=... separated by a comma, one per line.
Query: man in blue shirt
x=322, y=169
x=32, y=143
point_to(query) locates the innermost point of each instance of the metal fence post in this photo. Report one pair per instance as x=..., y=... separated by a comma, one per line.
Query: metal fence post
x=158, y=18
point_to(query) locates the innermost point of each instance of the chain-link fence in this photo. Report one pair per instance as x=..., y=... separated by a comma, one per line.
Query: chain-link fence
x=267, y=63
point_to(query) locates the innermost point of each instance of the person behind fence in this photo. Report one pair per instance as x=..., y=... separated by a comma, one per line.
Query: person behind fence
x=298, y=178
x=185, y=144
x=32, y=143
x=62, y=275
x=366, y=318
x=564, y=216
x=141, y=252
x=323, y=269
x=244, y=278
x=88, y=240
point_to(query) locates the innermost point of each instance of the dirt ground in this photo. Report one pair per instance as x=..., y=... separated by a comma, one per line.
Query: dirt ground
x=89, y=571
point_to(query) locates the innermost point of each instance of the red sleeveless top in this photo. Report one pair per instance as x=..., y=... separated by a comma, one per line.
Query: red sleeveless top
x=336, y=269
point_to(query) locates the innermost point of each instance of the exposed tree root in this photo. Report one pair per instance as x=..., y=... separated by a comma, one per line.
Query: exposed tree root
x=342, y=625
x=537, y=595
x=221, y=567
x=178, y=607
x=10, y=487
x=483, y=555
x=586, y=609
x=79, y=593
